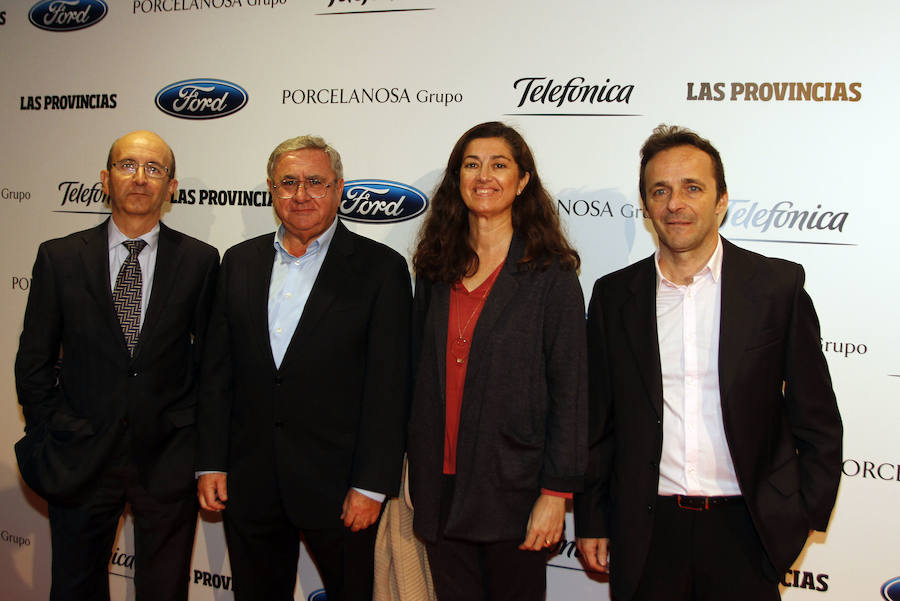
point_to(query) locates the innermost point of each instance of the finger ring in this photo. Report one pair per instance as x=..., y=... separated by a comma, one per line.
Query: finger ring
x=546, y=541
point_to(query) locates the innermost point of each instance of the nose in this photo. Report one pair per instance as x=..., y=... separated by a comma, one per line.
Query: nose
x=140, y=176
x=676, y=201
x=301, y=194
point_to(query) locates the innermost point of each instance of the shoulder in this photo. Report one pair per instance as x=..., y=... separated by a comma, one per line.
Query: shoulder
x=622, y=279
x=365, y=249
x=75, y=240
x=251, y=247
x=746, y=263
x=195, y=248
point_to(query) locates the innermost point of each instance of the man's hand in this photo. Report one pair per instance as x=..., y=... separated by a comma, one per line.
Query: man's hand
x=595, y=552
x=545, y=524
x=212, y=491
x=359, y=511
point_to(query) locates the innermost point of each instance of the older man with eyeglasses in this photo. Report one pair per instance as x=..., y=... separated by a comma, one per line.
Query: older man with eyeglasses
x=304, y=387
x=106, y=374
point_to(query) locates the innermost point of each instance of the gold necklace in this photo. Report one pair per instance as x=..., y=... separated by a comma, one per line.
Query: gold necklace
x=460, y=348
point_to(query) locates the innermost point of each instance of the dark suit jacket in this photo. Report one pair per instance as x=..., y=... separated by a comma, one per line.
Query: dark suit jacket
x=74, y=418
x=523, y=424
x=332, y=416
x=779, y=411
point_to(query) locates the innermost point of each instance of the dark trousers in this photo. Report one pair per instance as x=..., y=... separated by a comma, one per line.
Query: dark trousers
x=82, y=536
x=705, y=555
x=473, y=571
x=264, y=551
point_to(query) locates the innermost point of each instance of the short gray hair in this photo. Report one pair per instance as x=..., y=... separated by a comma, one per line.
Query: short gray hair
x=302, y=143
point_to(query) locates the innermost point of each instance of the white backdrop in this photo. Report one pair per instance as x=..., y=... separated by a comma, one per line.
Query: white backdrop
x=800, y=98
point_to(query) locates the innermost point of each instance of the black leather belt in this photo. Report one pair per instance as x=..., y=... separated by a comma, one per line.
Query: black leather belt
x=703, y=503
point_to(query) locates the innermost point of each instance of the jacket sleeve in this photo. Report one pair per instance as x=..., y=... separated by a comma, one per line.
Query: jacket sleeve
x=216, y=389
x=381, y=437
x=812, y=410
x=40, y=345
x=592, y=506
x=565, y=455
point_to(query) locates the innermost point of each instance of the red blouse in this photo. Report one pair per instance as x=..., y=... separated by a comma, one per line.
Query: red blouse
x=465, y=308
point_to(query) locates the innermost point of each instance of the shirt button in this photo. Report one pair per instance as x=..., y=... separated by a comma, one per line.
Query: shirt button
x=287, y=294
x=278, y=330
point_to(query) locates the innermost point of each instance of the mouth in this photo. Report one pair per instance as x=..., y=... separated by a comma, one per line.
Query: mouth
x=485, y=191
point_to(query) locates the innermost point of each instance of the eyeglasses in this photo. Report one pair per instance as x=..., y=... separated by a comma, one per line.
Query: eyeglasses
x=151, y=170
x=314, y=187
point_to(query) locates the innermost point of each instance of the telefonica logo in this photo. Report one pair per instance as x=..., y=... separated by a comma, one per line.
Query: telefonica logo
x=381, y=201
x=67, y=15
x=201, y=99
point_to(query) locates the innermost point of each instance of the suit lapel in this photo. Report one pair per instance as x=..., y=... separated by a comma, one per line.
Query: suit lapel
x=257, y=281
x=168, y=260
x=639, y=319
x=95, y=260
x=440, y=312
x=736, y=321
x=335, y=280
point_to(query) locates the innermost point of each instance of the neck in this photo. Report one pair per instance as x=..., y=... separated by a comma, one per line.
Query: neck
x=490, y=236
x=681, y=267
x=134, y=226
x=297, y=244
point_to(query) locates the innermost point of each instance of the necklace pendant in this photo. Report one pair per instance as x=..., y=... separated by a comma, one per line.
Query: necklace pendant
x=460, y=360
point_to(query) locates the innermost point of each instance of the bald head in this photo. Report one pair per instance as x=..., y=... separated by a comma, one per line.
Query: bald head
x=141, y=137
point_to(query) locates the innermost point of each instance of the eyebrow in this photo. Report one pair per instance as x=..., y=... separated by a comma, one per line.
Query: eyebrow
x=492, y=157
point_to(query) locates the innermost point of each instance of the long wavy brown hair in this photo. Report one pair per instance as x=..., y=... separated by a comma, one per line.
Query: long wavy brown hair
x=443, y=252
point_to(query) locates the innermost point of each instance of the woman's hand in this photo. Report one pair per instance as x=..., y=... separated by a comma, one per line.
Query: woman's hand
x=545, y=524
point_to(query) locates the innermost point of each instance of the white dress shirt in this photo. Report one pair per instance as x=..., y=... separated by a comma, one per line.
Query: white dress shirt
x=695, y=457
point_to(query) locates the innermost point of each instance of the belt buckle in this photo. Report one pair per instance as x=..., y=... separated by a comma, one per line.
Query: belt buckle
x=704, y=508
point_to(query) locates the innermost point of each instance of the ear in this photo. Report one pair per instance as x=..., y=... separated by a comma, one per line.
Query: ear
x=523, y=181
x=722, y=204
x=173, y=187
x=104, y=181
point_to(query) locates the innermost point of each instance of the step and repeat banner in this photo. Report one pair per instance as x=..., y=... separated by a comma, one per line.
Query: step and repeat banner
x=800, y=98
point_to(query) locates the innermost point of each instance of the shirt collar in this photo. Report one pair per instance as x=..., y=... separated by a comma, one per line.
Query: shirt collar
x=115, y=237
x=319, y=244
x=712, y=267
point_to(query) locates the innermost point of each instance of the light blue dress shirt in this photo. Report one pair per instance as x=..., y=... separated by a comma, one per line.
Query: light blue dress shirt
x=292, y=281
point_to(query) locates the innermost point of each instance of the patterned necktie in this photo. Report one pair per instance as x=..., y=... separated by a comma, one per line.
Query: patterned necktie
x=127, y=294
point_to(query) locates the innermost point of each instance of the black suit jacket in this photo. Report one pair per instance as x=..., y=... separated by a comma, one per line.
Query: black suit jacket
x=74, y=418
x=333, y=415
x=523, y=424
x=779, y=411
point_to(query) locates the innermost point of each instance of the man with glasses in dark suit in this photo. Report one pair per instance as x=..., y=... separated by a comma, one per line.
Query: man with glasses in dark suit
x=106, y=374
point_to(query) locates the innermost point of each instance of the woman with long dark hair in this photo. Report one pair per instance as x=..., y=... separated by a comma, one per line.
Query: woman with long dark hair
x=498, y=428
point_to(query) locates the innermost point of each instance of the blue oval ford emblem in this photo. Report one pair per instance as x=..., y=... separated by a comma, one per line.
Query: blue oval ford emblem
x=381, y=201
x=890, y=590
x=317, y=595
x=201, y=99
x=67, y=15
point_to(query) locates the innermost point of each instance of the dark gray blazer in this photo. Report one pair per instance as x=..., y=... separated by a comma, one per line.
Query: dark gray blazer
x=524, y=408
x=779, y=411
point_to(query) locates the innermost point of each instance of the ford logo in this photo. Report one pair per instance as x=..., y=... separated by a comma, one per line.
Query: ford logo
x=381, y=201
x=67, y=15
x=890, y=590
x=201, y=99
x=317, y=595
